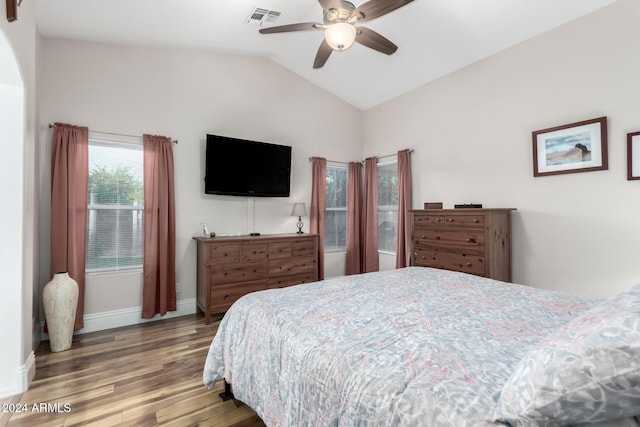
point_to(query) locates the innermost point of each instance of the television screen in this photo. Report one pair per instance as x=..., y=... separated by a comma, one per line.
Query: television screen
x=238, y=167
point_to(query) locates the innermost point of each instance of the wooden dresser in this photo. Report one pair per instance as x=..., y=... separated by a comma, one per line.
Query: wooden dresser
x=475, y=241
x=230, y=267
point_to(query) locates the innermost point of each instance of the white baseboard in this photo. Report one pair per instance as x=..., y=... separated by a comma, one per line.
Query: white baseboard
x=27, y=371
x=128, y=316
x=24, y=376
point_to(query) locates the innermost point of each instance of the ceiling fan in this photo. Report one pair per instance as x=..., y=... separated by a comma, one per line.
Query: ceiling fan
x=339, y=27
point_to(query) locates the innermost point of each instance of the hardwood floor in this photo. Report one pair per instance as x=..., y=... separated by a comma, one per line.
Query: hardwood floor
x=142, y=375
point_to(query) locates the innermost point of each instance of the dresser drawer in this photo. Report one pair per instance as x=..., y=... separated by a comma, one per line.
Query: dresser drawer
x=254, y=252
x=466, y=263
x=292, y=265
x=466, y=220
x=237, y=273
x=465, y=239
x=279, y=250
x=429, y=219
x=223, y=296
x=284, y=281
x=303, y=248
x=219, y=253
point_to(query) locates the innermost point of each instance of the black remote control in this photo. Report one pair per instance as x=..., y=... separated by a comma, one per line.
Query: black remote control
x=468, y=205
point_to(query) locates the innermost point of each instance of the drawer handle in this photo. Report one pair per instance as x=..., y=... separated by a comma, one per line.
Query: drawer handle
x=450, y=219
x=468, y=264
x=476, y=220
x=418, y=219
x=437, y=219
x=226, y=296
x=470, y=240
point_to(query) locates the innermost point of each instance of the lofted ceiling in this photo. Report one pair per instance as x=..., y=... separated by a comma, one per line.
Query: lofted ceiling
x=434, y=37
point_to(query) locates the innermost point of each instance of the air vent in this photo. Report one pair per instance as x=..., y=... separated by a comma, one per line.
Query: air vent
x=260, y=16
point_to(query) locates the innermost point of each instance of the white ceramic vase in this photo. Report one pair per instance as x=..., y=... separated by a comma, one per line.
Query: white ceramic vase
x=60, y=298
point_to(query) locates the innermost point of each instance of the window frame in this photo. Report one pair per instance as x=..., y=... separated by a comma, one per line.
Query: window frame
x=337, y=249
x=386, y=208
x=129, y=143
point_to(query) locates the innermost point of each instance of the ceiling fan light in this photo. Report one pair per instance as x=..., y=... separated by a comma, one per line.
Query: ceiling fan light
x=340, y=36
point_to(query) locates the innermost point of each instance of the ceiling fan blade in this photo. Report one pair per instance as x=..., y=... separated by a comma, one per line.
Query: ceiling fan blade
x=303, y=26
x=375, y=41
x=376, y=8
x=323, y=54
x=327, y=5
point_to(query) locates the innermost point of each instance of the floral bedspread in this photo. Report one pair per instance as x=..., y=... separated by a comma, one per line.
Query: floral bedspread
x=408, y=347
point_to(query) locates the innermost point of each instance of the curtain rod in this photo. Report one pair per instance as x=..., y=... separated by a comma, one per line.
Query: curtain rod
x=175, y=141
x=380, y=157
x=333, y=161
x=392, y=155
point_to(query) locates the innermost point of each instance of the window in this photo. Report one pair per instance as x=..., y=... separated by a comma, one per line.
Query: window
x=387, y=206
x=336, y=214
x=115, y=213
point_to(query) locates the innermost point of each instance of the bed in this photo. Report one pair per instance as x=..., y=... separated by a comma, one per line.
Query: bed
x=424, y=347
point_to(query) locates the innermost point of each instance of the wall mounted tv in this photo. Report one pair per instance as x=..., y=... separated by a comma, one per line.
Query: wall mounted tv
x=239, y=167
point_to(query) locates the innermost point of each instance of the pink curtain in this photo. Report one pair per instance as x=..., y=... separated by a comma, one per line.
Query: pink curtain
x=403, y=246
x=370, y=217
x=69, y=205
x=318, y=206
x=159, y=264
x=354, y=212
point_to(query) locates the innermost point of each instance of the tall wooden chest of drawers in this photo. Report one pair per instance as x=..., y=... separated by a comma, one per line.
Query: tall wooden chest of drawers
x=230, y=267
x=475, y=241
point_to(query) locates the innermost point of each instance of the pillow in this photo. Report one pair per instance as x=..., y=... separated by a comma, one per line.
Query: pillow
x=587, y=371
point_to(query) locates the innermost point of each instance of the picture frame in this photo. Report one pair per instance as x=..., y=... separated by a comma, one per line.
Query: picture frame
x=571, y=148
x=633, y=156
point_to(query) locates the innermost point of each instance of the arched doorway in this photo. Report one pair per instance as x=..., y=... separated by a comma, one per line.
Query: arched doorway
x=12, y=135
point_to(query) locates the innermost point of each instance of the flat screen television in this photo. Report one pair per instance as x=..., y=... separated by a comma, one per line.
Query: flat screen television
x=239, y=167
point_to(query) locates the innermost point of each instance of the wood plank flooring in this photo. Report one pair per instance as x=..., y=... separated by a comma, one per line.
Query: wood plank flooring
x=143, y=375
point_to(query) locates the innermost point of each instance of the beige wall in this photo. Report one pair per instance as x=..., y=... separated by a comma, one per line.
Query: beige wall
x=472, y=134
x=187, y=94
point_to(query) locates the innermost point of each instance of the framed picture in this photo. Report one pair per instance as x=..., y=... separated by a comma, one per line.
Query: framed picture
x=576, y=147
x=633, y=155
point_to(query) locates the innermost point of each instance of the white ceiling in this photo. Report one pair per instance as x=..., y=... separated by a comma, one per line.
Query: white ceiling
x=435, y=37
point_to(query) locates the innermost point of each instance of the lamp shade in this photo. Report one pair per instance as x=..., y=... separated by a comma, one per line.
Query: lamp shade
x=340, y=36
x=298, y=210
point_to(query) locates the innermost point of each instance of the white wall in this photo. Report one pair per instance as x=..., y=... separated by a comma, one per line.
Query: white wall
x=472, y=134
x=11, y=104
x=185, y=95
x=18, y=112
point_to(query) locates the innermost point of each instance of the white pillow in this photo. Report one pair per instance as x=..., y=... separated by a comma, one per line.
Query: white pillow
x=586, y=372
